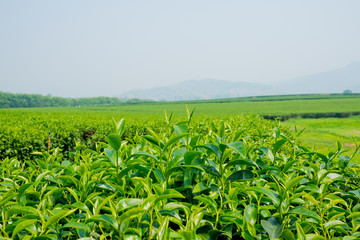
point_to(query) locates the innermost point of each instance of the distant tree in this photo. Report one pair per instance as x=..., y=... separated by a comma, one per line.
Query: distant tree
x=347, y=91
x=13, y=100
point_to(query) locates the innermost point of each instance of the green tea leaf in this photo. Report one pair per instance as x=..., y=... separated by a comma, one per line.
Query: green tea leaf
x=314, y=237
x=55, y=218
x=238, y=147
x=132, y=234
x=268, y=192
x=174, y=139
x=145, y=154
x=300, y=232
x=131, y=213
x=268, y=153
x=129, y=202
x=354, y=215
x=208, y=201
x=305, y=212
x=163, y=230
x=180, y=129
x=120, y=126
x=170, y=193
x=22, y=190
x=22, y=225
x=114, y=141
x=77, y=225
x=106, y=187
x=344, y=161
x=273, y=227
x=213, y=148
x=200, y=187
x=154, y=141
x=211, y=170
x=40, y=177
x=17, y=209
x=278, y=145
x=333, y=223
x=246, y=162
x=187, y=234
x=250, y=213
x=288, y=235
x=293, y=182
x=190, y=156
x=241, y=175
x=105, y=218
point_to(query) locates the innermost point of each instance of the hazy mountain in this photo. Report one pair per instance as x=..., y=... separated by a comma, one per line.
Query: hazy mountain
x=334, y=81
x=199, y=89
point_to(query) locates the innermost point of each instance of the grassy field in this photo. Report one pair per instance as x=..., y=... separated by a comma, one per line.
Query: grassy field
x=282, y=104
x=281, y=107
x=322, y=134
x=276, y=98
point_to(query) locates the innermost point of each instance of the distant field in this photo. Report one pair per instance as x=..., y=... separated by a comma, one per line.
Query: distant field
x=263, y=105
x=277, y=98
x=322, y=134
x=278, y=107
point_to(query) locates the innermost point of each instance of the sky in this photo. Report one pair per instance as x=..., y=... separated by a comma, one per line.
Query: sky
x=89, y=48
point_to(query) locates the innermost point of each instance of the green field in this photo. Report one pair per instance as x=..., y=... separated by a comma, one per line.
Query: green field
x=322, y=134
x=276, y=98
x=220, y=172
x=281, y=107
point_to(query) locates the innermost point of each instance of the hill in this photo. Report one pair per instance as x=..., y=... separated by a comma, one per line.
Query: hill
x=333, y=81
x=200, y=89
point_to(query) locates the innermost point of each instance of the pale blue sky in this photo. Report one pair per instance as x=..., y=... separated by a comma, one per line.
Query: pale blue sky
x=102, y=48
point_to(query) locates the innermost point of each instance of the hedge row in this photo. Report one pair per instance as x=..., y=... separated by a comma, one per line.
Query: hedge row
x=311, y=115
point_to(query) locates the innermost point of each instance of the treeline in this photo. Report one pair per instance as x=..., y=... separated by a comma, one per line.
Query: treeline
x=12, y=100
x=311, y=115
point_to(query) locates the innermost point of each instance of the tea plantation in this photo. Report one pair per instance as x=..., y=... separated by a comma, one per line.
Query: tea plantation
x=170, y=177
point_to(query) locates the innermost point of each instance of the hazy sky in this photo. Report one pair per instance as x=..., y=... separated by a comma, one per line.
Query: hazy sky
x=102, y=48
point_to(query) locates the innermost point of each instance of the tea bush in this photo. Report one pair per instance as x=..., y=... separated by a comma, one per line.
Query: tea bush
x=235, y=178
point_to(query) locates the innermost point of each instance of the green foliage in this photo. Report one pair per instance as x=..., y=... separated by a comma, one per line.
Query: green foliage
x=23, y=132
x=11, y=100
x=236, y=178
x=347, y=92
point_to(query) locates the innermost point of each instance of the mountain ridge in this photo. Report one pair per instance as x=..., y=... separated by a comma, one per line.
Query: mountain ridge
x=198, y=90
x=332, y=81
